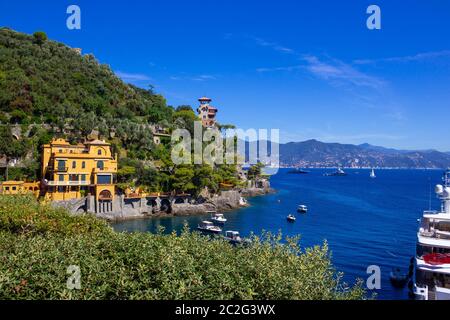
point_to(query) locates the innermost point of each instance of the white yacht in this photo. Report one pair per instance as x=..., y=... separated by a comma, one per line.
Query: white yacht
x=218, y=218
x=432, y=271
x=372, y=174
x=209, y=227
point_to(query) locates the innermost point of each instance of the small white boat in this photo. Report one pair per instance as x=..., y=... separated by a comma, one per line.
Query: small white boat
x=291, y=218
x=302, y=208
x=209, y=227
x=372, y=174
x=338, y=172
x=233, y=237
x=218, y=218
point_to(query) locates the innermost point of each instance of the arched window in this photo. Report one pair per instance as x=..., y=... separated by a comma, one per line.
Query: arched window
x=99, y=152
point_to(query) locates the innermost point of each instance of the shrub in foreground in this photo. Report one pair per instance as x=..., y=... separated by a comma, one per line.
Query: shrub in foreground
x=33, y=264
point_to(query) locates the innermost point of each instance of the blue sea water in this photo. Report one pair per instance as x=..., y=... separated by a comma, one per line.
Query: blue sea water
x=365, y=221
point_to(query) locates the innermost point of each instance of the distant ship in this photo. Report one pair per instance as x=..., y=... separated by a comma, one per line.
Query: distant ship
x=298, y=171
x=338, y=172
x=372, y=174
x=432, y=261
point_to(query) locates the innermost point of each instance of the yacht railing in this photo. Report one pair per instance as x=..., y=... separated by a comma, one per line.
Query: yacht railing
x=434, y=233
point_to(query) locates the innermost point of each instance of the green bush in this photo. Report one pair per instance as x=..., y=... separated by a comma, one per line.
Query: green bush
x=23, y=215
x=34, y=261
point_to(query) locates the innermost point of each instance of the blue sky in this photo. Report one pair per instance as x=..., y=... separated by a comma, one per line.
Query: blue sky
x=310, y=68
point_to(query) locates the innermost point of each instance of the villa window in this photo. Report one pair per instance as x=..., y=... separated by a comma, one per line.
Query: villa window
x=99, y=152
x=83, y=177
x=14, y=188
x=100, y=165
x=61, y=177
x=104, y=179
x=61, y=165
x=83, y=165
x=74, y=164
x=6, y=188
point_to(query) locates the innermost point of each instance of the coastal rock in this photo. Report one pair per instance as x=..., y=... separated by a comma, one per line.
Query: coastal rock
x=187, y=209
x=226, y=200
x=140, y=208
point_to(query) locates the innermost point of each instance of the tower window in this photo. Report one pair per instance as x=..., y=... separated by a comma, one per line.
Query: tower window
x=74, y=164
x=100, y=165
x=99, y=152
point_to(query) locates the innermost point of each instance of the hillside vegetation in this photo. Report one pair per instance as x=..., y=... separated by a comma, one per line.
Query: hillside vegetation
x=38, y=243
x=48, y=89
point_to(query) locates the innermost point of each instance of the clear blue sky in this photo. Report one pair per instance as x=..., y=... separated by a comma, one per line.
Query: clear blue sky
x=310, y=68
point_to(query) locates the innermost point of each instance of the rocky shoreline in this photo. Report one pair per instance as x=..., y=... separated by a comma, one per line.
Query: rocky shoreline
x=128, y=208
x=224, y=201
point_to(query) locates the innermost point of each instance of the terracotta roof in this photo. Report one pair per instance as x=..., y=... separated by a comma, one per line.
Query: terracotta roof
x=204, y=99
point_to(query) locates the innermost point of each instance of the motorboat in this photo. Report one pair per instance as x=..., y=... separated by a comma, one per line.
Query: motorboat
x=302, y=208
x=218, y=218
x=338, y=172
x=291, y=218
x=233, y=237
x=209, y=227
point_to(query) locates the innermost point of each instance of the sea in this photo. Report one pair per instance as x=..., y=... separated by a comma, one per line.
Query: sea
x=365, y=221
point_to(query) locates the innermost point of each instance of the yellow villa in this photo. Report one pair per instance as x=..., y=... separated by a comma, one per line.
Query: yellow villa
x=73, y=171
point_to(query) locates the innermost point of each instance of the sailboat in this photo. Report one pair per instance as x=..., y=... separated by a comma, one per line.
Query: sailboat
x=372, y=174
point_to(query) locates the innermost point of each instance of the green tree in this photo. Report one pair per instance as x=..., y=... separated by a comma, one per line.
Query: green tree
x=182, y=179
x=184, y=107
x=255, y=170
x=39, y=37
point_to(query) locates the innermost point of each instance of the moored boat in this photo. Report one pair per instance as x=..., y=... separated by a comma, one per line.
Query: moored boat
x=233, y=237
x=209, y=227
x=339, y=172
x=218, y=218
x=291, y=218
x=302, y=208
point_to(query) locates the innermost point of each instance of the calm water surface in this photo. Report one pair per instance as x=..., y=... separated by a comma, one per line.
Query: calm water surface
x=365, y=221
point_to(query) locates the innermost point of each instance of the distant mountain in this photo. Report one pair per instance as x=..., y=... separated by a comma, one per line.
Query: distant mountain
x=313, y=153
x=368, y=146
